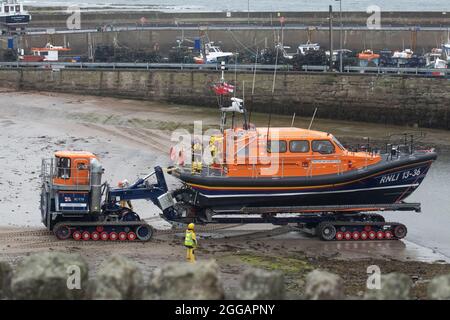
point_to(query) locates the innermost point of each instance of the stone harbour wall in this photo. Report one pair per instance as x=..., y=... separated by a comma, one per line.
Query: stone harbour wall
x=388, y=99
x=48, y=276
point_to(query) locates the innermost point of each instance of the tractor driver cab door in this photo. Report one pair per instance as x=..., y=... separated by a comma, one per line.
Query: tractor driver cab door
x=63, y=171
x=81, y=169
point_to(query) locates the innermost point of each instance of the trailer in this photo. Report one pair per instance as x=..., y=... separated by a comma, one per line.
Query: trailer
x=76, y=204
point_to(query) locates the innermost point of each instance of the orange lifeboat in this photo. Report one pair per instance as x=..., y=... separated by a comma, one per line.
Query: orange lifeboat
x=368, y=55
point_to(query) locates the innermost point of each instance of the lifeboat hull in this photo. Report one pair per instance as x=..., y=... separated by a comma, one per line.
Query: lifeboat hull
x=387, y=182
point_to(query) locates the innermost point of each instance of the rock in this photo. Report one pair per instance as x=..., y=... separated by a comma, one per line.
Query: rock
x=49, y=276
x=117, y=278
x=5, y=280
x=394, y=286
x=259, y=284
x=439, y=288
x=186, y=281
x=323, y=285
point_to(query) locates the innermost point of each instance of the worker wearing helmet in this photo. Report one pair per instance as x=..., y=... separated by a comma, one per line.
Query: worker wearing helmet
x=125, y=203
x=190, y=242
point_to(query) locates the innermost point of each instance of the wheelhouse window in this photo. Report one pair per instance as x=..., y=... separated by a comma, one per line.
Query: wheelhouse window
x=17, y=8
x=336, y=142
x=11, y=9
x=299, y=146
x=323, y=146
x=276, y=146
x=6, y=9
x=63, y=167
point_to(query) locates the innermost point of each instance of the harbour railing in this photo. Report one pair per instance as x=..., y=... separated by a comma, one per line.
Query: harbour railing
x=56, y=66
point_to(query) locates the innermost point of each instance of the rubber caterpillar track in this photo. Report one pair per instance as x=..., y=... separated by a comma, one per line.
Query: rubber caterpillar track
x=121, y=231
x=361, y=231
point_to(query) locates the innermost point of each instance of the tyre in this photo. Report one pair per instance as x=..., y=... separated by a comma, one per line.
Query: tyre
x=144, y=232
x=326, y=231
x=400, y=231
x=62, y=232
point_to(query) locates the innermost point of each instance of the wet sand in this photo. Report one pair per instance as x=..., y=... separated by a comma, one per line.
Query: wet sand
x=131, y=137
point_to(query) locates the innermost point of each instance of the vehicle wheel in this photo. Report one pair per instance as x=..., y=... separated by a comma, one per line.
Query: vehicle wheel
x=76, y=235
x=400, y=231
x=62, y=232
x=131, y=236
x=122, y=236
x=144, y=232
x=327, y=231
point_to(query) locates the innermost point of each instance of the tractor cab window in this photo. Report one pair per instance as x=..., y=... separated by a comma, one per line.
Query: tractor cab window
x=323, y=146
x=63, y=167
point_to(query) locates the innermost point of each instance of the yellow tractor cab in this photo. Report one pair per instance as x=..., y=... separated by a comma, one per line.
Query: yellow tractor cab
x=71, y=168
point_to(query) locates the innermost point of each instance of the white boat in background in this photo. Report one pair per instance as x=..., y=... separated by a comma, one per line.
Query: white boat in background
x=213, y=53
x=303, y=49
x=405, y=54
x=446, y=51
x=48, y=53
x=12, y=14
x=282, y=48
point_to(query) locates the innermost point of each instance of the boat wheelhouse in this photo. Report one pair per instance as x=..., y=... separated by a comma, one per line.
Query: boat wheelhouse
x=12, y=14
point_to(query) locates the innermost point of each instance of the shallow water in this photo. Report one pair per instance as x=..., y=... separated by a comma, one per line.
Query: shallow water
x=431, y=227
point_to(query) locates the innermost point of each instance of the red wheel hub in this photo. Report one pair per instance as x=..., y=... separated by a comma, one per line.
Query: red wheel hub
x=356, y=235
x=364, y=235
x=76, y=235
x=104, y=236
x=122, y=236
x=131, y=236
x=372, y=235
x=86, y=235
x=99, y=229
x=380, y=235
x=113, y=236
x=339, y=236
x=388, y=235
x=367, y=228
x=348, y=235
x=95, y=236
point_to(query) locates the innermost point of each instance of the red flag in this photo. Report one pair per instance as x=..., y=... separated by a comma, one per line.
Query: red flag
x=228, y=87
x=220, y=89
x=223, y=88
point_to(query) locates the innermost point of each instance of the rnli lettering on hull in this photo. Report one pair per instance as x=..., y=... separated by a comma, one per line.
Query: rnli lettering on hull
x=394, y=177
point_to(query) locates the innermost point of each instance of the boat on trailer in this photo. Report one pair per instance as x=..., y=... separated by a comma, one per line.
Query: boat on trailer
x=293, y=175
x=299, y=167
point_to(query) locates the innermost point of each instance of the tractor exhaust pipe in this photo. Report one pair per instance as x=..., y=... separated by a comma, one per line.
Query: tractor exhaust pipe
x=96, y=186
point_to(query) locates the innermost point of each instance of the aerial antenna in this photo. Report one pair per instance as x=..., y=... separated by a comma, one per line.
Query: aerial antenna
x=253, y=83
x=293, y=119
x=243, y=106
x=312, y=119
x=273, y=91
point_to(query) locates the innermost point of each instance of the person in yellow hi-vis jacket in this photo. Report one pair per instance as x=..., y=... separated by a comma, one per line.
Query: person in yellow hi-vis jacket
x=190, y=242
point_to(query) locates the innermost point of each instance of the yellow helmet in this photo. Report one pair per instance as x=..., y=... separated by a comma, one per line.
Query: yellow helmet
x=190, y=226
